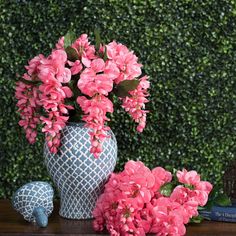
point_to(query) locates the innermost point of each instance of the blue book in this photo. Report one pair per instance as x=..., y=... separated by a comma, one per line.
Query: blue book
x=218, y=213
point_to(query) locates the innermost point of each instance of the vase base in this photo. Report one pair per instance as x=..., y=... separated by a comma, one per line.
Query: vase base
x=75, y=217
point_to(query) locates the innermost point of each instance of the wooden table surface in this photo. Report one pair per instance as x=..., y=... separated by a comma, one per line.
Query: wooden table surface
x=13, y=224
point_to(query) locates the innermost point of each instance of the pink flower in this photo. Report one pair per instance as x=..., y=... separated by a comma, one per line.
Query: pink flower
x=60, y=43
x=167, y=217
x=201, y=189
x=125, y=60
x=54, y=123
x=53, y=73
x=191, y=177
x=121, y=205
x=50, y=94
x=76, y=67
x=123, y=210
x=32, y=68
x=53, y=142
x=204, y=186
x=85, y=51
x=187, y=198
x=161, y=177
x=53, y=94
x=194, y=194
x=95, y=117
x=95, y=73
x=92, y=81
x=111, y=70
x=134, y=105
x=28, y=104
x=54, y=66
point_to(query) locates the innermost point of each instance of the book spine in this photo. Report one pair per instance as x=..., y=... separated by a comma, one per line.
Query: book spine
x=220, y=214
x=223, y=215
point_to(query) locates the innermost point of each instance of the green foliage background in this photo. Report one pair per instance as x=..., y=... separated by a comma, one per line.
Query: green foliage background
x=187, y=47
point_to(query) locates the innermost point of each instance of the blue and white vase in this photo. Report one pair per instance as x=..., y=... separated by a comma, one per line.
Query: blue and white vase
x=79, y=177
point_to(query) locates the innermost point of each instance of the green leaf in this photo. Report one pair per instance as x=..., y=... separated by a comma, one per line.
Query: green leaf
x=69, y=38
x=121, y=93
x=129, y=85
x=30, y=82
x=73, y=86
x=40, y=111
x=167, y=189
x=72, y=55
x=223, y=200
x=189, y=186
x=216, y=197
x=214, y=192
x=209, y=205
x=97, y=39
x=199, y=208
x=196, y=219
x=75, y=115
x=123, y=88
x=105, y=54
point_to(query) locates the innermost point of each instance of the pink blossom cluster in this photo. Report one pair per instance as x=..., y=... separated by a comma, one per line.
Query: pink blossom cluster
x=133, y=203
x=46, y=92
x=135, y=104
x=28, y=103
x=96, y=73
x=98, y=79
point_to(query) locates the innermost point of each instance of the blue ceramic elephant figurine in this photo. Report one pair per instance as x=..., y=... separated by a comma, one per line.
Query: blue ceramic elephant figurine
x=35, y=202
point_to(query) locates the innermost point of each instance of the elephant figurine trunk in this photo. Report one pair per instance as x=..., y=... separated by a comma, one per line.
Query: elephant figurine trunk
x=41, y=217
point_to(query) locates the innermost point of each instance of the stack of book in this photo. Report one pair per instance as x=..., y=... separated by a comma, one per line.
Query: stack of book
x=218, y=213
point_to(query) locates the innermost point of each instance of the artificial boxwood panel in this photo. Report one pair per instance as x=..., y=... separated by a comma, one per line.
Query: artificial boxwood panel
x=188, y=48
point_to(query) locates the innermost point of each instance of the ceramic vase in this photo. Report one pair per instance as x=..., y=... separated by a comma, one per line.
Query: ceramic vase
x=79, y=177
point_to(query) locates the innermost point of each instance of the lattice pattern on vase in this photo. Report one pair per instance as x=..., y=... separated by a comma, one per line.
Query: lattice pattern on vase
x=31, y=196
x=80, y=177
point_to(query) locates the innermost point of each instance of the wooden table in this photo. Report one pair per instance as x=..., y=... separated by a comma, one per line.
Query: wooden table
x=13, y=224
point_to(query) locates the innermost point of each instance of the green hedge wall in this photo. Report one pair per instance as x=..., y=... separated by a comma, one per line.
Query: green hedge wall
x=187, y=47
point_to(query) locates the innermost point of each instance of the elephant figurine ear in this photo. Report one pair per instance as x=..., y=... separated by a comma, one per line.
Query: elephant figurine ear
x=34, y=201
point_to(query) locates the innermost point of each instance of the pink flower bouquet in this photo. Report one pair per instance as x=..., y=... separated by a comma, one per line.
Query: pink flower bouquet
x=76, y=82
x=139, y=201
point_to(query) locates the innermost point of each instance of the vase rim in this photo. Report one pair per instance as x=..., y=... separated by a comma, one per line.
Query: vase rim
x=82, y=124
x=77, y=124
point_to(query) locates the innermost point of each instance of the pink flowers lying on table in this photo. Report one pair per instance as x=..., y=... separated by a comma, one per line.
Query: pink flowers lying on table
x=138, y=201
x=76, y=80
